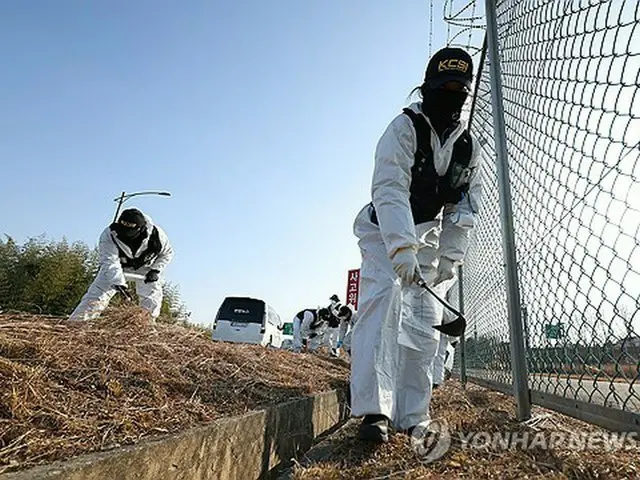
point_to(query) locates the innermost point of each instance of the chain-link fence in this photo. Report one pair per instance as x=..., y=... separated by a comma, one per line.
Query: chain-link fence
x=570, y=76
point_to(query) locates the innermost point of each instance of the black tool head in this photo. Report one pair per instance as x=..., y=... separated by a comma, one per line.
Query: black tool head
x=453, y=329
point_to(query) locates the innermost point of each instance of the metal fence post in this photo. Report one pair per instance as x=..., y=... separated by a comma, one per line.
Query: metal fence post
x=527, y=333
x=463, y=366
x=518, y=353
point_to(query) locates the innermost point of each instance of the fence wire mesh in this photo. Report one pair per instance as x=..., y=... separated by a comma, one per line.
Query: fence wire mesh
x=570, y=72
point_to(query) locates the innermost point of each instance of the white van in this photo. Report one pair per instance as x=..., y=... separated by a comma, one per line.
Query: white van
x=247, y=320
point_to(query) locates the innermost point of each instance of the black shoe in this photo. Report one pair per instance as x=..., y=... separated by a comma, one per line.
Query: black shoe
x=407, y=431
x=374, y=428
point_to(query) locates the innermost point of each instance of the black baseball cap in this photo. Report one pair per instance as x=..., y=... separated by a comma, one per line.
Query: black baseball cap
x=133, y=216
x=449, y=64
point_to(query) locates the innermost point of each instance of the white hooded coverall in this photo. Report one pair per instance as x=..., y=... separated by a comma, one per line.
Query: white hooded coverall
x=332, y=334
x=111, y=273
x=303, y=328
x=307, y=318
x=446, y=352
x=388, y=377
x=344, y=328
x=347, y=332
x=444, y=359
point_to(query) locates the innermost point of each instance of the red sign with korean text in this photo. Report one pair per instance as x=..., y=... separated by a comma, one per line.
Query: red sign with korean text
x=353, y=287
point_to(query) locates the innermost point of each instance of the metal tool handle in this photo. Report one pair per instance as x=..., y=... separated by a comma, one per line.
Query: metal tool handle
x=133, y=276
x=455, y=328
x=421, y=283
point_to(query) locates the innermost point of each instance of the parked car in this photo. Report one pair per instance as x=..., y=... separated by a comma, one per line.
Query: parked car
x=247, y=320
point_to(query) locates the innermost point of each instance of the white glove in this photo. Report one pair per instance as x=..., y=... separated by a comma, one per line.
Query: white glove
x=405, y=264
x=446, y=270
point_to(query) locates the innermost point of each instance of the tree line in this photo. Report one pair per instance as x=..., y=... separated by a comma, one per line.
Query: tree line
x=50, y=277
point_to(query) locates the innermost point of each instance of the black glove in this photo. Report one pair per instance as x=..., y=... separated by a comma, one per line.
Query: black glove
x=152, y=276
x=124, y=291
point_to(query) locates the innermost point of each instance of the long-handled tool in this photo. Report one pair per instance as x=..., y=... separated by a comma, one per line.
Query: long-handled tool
x=124, y=291
x=453, y=329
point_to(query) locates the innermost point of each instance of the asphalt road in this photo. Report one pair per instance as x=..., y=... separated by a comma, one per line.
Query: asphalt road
x=619, y=395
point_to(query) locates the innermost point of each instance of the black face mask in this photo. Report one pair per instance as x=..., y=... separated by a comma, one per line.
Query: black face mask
x=127, y=233
x=443, y=107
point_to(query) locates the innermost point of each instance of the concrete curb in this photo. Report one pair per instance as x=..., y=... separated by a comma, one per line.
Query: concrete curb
x=324, y=448
x=246, y=447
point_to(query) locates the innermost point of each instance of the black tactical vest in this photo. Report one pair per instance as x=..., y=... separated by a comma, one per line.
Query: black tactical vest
x=317, y=321
x=334, y=322
x=154, y=246
x=429, y=192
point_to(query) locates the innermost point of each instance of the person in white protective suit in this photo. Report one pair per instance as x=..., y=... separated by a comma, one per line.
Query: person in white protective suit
x=443, y=363
x=131, y=245
x=345, y=314
x=332, y=334
x=332, y=329
x=425, y=193
x=308, y=328
x=346, y=342
x=335, y=304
